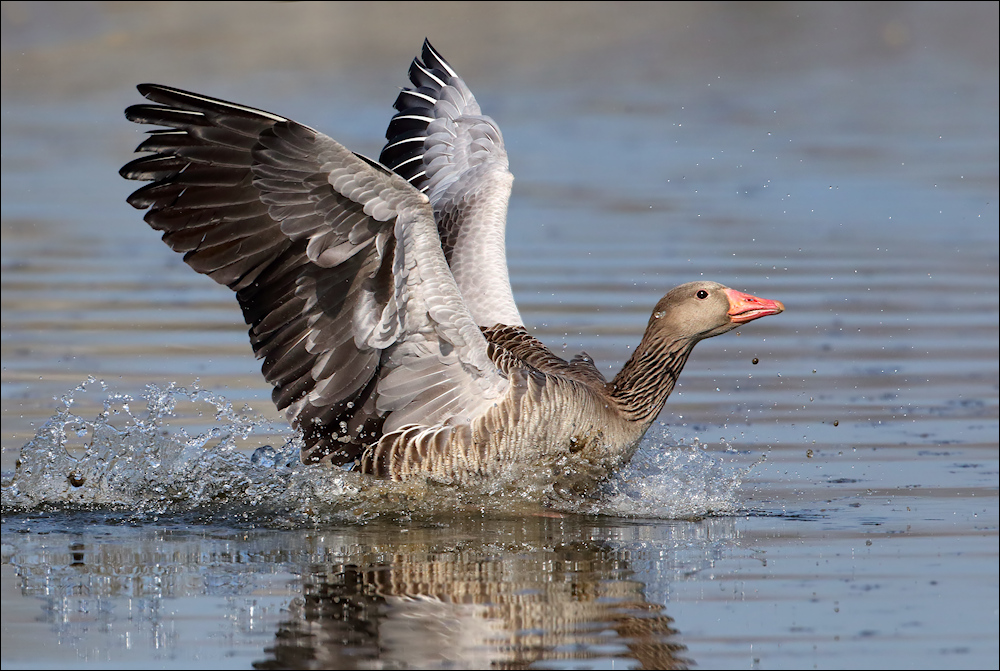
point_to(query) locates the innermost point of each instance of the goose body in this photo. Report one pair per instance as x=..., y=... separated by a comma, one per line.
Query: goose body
x=377, y=293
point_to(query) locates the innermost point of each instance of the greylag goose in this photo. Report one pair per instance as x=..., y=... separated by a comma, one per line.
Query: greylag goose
x=377, y=293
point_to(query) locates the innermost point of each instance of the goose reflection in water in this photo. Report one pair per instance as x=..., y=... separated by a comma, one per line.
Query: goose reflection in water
x=463, y=610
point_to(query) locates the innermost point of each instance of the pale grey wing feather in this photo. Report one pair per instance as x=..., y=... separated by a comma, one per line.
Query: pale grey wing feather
x=322, y=248
x=440, y=371
x=435, y=367
x=442, y=143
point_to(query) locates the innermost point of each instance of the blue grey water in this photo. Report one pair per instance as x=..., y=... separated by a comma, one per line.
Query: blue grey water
x=821, y=490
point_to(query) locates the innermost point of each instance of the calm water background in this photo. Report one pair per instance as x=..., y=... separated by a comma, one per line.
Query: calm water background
x=841, y=158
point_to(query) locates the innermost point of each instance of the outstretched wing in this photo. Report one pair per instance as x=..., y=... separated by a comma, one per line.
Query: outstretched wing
x=442, y=144
x=335, y=261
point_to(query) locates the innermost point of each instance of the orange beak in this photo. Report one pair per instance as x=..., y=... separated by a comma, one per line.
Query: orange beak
x=745, y=308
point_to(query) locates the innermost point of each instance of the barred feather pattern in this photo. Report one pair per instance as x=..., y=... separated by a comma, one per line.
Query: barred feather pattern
x=643, y=385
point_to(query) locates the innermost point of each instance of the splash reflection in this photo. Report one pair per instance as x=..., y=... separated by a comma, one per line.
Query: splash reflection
x=467, y=593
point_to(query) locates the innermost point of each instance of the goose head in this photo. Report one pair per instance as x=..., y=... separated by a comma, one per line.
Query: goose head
x=699, y=310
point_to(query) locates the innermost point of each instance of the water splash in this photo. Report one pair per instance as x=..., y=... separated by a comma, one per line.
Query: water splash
x=670, y=479
x=151, y=469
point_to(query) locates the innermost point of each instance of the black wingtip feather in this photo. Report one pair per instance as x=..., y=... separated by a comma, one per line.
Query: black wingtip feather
x=428, y=73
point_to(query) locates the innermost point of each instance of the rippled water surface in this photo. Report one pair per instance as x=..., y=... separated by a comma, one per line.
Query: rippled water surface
x=821, y=489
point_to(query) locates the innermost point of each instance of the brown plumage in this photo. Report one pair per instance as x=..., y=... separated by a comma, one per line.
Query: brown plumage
x=377, y=294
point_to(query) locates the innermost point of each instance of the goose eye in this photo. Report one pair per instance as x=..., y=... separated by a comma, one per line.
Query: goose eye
x=702, y=294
